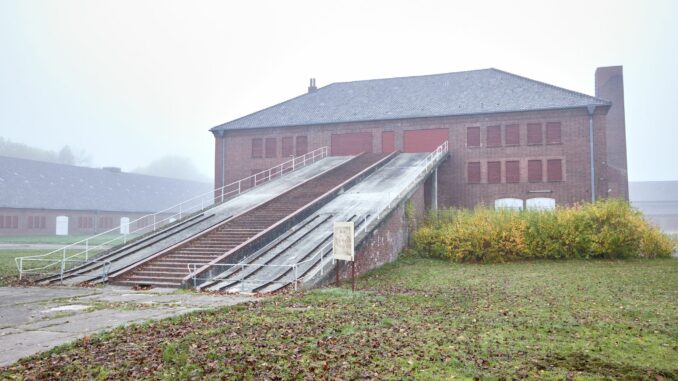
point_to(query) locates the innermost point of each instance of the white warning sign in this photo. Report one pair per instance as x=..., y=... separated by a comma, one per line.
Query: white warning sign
x=342, y=245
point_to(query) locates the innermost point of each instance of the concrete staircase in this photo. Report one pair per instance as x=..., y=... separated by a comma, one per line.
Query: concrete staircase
x=170, y=267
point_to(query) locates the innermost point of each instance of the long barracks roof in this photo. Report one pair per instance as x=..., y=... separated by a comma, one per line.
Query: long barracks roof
x=462, y=93
x=40, y=185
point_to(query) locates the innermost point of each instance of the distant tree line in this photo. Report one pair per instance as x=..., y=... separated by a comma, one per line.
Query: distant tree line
x=172, y=166
x=66, y=155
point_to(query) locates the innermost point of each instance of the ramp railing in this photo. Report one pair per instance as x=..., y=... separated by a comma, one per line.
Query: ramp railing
x=62, y=259
x=324, y=252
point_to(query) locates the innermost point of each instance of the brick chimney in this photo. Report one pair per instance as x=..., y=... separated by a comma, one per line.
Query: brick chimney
x=311, y=87
x=610, y=86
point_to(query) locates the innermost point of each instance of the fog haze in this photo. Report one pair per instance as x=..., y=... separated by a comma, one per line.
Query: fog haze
x=131, y=82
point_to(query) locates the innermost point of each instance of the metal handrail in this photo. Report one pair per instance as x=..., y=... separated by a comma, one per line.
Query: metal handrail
x=250, y=182
x=425, y=165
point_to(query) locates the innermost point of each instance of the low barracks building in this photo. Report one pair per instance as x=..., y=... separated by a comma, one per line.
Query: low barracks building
x=509, y=137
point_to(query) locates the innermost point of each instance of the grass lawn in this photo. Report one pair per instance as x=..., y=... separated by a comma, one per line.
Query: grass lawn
x=8, y=270
x=413, y=319
x=63, y=239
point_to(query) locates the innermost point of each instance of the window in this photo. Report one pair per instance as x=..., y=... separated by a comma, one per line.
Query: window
x=30, y=222
x=512, y=171
x=302, y=145
x=534, y=171
x=553, y=133
x=508, y=203
x=494, y=172
x=473, y=137
x=42, y=222
x=473, y=172
x=554, y=170
x=534, y=134
x=512, y=135
x=257, y=149
x=271, y=150
x=287, y=146
x=541, y=203
x=494, y=136
x=85, y=222
x=9, y=222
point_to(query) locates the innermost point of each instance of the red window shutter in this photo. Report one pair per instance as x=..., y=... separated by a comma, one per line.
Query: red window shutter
x=257, y=148
x=287, y=146
x=473, y=174
x=534, y=134
x=494, y=172
x=473, y=137
x=494, y=136
x=553, y=133
x=302, y=145
x=534, y=171
x=271, y=150
x=554, y=169
x=512, y=135
x=513, y=171
x=8, y=222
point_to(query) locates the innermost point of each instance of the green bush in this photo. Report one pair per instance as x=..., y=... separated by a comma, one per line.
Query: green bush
x=605, y=229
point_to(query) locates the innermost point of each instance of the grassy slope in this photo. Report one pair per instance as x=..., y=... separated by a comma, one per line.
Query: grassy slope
x=416, y=318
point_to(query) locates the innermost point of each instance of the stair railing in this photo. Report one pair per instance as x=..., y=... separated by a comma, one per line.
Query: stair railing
x=426, y=165
x=59, y=258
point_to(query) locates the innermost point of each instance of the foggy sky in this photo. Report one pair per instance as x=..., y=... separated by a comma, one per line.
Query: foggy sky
x=131, y=81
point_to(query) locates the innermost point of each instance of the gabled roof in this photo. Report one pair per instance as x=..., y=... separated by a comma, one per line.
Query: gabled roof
x=461, y=93
x=41, y=185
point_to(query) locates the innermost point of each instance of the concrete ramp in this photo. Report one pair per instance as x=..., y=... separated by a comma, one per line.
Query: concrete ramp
x=302, y=255
x=239, y=236
x=134, y=252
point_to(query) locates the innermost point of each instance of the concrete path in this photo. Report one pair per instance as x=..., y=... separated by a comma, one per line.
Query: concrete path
x=35, y=319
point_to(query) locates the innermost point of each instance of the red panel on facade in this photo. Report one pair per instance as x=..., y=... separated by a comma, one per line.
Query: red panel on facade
x=512, y=135
x=424, y=140
x=553, y=133
x=351, y=144
x=534, y=134
x=257, y=148
x=534, y=171
x=554, y=170
x=473, y=172
x=473, y=137
x=302, y=145
x=287, y=146
x=513, y=171
x=387, y=141
x=494, y=136
x=271, y=149
x=494, y=172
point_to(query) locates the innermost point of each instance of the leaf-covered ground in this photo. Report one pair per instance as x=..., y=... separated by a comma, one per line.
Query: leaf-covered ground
x=414, y=319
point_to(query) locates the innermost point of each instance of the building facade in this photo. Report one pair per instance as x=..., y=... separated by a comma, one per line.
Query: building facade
x=510, y=137
x=39, y=198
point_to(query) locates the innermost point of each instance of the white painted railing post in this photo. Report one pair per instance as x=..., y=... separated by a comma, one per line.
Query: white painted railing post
x=242, y=278
x=86, y=249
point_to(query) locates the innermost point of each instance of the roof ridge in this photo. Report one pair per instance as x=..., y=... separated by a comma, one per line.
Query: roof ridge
x=413, y=76
x=97, y=169
x=551, y=86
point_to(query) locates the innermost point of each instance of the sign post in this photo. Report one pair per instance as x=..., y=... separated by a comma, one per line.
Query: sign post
x=343, y=246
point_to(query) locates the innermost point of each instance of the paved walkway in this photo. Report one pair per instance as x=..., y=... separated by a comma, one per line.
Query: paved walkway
x=35, y=319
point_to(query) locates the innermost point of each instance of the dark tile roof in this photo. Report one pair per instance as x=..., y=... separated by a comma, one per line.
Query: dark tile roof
x=462, y=93
x=41, y=185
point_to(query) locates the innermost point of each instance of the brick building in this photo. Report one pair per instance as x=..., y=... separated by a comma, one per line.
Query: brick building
x=33, y=194
x=512, y=139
